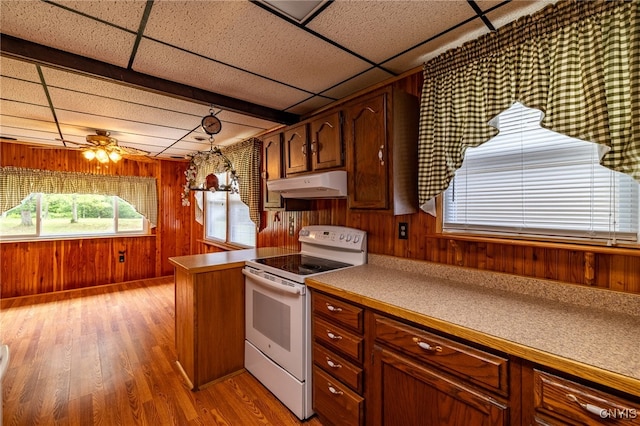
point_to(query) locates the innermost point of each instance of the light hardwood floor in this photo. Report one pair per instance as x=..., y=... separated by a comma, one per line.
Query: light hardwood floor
x=106, y=356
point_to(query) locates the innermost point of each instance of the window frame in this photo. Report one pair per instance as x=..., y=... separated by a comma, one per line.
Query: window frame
x=38, y=236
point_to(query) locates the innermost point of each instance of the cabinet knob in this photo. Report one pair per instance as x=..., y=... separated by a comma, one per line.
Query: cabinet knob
x=426, y=346
x=381, y=155
x=314, y=147
x=333, y=308
x=333, y=336
x=332, y=364
x=593, y=409
x=304, y=149
x=334, y=390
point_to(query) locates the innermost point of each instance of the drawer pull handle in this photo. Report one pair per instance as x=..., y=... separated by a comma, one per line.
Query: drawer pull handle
x=333, y=336
x=333, y=308
x=426, y=346
x=333, y=364
x=593, y=409
x=334, y=390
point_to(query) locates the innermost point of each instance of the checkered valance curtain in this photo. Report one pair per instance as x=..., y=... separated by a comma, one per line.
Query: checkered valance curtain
x=16, y=183
x=245, y=157
x=577, y=61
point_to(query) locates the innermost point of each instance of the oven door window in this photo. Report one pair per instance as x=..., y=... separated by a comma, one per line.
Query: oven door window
x=275, y=324
x=272, y=318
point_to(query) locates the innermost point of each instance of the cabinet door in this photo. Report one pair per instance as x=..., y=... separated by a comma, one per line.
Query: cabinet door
x=411, y=393
x=326, y=142
x=366, y=141
x=272, y=168
x=296, y=150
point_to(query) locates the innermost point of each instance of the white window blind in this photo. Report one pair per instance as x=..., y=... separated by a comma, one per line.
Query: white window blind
x=531, y=181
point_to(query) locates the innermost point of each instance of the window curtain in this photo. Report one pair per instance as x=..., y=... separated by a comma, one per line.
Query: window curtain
x=17, y=183
x=576, y=61
x=245, y=157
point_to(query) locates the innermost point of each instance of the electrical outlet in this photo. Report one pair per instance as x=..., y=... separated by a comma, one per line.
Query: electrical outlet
x=121, y=256
x=403, y=231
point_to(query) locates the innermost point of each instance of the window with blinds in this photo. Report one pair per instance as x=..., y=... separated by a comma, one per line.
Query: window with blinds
x=531, y=181
x=227, y=217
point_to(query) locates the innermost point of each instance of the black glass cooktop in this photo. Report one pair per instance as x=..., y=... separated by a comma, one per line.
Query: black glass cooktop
x=301, y=264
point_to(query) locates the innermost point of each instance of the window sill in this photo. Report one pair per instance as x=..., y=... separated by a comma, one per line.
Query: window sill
x=223, y=246
x=71, y=238
x=621, y=249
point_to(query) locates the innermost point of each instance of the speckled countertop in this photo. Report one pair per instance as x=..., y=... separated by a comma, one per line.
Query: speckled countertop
x=588, y=332
x=198, y=263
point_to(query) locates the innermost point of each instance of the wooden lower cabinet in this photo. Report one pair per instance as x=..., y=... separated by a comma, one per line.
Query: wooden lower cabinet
x=414, y=393
x=209, y=324
x=556, y=400
x=338, y=361
x=334, y=402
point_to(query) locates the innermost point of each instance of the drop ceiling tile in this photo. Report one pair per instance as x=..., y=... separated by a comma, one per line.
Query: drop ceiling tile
x=310, y=105
x=245, y=120
x=18, y=69
x=123, y=13
x=93, y=122
x=79, y=133
x=112, y=108
x=53, y=26
x=30, y=135
x=452, y=39
x=23, y=91
x=244, y=35
x=28, y=124
x=379, y=30
x=21, y=109
x=114, y=90
x=165, y=62
x=367, y=79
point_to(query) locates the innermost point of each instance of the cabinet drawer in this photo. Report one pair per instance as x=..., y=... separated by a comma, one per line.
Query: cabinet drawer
x=479, y=367
x=335, y=403
x=338, y=367
x=346, y=314
x=338, y=338
x=578, y=404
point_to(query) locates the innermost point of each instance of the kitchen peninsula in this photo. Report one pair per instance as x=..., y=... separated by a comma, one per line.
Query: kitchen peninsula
x=210, y=313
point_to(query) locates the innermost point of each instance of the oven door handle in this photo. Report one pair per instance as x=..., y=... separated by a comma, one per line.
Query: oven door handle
x=269, y=283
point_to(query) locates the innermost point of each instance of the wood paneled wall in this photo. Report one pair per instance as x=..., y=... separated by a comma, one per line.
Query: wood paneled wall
x=610, y=269
x=44, y=266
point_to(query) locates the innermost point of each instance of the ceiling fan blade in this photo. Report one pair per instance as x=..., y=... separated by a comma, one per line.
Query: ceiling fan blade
x=142, y=158
x=125, y=150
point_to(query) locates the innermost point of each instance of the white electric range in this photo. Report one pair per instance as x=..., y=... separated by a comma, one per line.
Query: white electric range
x=278, y=310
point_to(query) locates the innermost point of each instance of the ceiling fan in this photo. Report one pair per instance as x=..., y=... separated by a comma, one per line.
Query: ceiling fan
x=104, y=148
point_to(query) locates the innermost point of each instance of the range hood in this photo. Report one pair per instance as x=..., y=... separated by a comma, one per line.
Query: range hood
x=318, y=185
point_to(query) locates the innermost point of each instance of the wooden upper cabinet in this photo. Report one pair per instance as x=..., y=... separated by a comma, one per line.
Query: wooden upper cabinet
x=381, y=138
x=296, y=150
x=271, y=168
x=326, y=142
x=313, y=145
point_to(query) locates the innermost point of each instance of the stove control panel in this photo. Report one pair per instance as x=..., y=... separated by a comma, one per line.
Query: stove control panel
x=334, y=236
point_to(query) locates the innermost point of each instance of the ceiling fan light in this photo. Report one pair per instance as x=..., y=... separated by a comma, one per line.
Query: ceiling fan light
x=102, y=156
x=115, y=156
x=89, y=155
